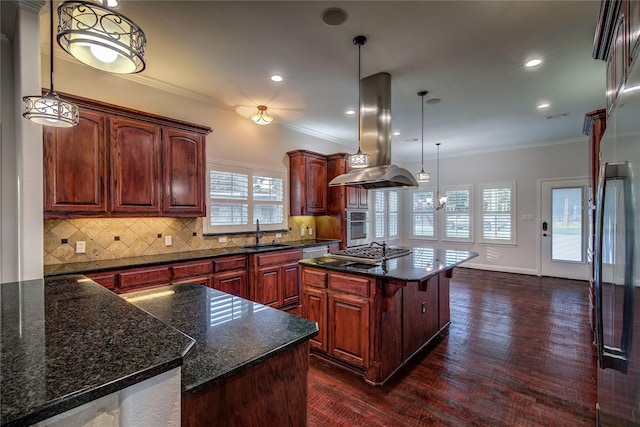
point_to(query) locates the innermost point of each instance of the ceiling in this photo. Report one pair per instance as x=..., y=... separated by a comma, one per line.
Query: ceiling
x=470, y=54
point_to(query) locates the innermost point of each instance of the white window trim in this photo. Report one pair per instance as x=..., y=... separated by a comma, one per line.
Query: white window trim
x=480, y=212
x=251, y=170
x=442, y=216
x=372, y=200
x=436, y=227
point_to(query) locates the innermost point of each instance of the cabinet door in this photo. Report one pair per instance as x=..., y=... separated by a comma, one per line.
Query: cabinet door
x=314, y=308
x=348, y=328
x=267, y=285
x=183, y=171
x=363, y=200
x=75, y=165
x=290, y=284
x=231, y=282
x=135, y=166
x=316, y=185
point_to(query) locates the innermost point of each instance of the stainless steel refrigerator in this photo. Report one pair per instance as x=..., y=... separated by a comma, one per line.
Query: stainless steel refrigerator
x=617, y=266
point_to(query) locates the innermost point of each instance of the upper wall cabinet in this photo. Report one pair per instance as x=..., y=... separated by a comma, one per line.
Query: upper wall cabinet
x=120, y=162
x=307, y=183
x=617, y=41
x=75, y=167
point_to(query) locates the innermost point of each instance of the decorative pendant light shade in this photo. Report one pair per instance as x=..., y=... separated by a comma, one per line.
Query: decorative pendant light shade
x=422, y=176
x=49, y=109
x=262, y=117
x=360, y=159
x=441, y=201
x=101, y=37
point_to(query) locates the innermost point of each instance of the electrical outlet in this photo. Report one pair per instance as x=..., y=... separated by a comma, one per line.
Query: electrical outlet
x=168, y=241
x=278, y=235
x=310, y=231
x=222, y=239
x=302, y=231
x=80, y=247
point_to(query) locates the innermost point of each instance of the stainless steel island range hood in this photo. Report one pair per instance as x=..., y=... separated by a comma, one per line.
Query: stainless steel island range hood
x=375, y=124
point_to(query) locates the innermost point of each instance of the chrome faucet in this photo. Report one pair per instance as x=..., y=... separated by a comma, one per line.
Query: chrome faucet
x=384, y=249
x=259, y=233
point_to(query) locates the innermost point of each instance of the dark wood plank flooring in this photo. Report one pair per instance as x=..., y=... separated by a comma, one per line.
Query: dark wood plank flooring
x=518, y=353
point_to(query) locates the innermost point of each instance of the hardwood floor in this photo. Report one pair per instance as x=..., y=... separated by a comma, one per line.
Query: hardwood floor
x=518, y=353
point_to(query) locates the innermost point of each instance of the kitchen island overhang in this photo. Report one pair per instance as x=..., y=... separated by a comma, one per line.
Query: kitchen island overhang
x=373, y=318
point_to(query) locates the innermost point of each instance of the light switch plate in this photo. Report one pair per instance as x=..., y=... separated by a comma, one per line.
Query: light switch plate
x=80, y=247
x=222, y=239
x=168, y=241
x=302, y=231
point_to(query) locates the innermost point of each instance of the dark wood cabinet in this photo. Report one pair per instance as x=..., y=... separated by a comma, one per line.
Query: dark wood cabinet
x=421, y=315
x=183, y=169
x=106, y=279
x=135, y=166
x=275, y=278
x=144, y=277
x=232, y=282
x=307, y=183
x=75, y=168
x=122, y=162
x=348, y=324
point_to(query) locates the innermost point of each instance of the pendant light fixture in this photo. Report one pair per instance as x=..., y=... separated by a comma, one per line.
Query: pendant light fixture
x=262, y=117
x=49, y=109
x=423, y=176
x=360, y=159
x=441, y=201
x=100, y=37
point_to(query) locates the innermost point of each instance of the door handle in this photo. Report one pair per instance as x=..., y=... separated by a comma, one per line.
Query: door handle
x=609, y=357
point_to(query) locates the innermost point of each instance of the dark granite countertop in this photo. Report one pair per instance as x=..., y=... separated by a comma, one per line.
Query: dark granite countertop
x=231, y=333
x=141, y=261
x=421, y=264
x=67, y=341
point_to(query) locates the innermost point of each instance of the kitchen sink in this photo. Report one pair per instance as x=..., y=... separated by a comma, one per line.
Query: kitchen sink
x=266, y=246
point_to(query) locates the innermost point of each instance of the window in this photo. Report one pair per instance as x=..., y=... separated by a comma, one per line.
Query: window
x=385, y=214
x=457, y=214
x=239, y=195
x=497, y=212
x=422, y=214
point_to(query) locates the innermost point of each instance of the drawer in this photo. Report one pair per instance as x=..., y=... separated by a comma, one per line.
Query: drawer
x=314, y=278
x=277, y=257
x=143, y=276
x=108, y=280
x=191, y=269
x=351, y=284
x=229, y=263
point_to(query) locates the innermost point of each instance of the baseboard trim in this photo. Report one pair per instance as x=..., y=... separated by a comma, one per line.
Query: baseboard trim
x=503, y=269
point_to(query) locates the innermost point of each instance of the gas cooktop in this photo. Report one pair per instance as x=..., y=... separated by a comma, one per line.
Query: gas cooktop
x=369, y=254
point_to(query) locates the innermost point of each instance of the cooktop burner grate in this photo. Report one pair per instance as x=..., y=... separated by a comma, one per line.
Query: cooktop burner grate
x=369, y=253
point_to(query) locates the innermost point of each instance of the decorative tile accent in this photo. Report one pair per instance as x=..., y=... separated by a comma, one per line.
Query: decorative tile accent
x=139, y=236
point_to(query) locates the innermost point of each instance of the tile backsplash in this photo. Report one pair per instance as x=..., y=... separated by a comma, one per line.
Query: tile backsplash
x=111, y=238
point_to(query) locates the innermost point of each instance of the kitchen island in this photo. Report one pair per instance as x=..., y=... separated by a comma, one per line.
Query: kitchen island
x=372, y=318
x=249, y=363
x=73, y=351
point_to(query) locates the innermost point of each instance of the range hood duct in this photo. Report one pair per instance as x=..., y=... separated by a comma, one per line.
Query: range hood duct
x=375, y=131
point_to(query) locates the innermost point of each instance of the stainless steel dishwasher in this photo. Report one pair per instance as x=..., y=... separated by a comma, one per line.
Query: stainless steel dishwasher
x=315, y=251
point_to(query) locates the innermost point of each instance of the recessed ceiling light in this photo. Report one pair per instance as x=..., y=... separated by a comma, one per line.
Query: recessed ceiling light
x=433, y=101
x=533, y=62
x=276, y=78
x=350, y=112
x=396, y=133
x=543, y=105
x=334, y=16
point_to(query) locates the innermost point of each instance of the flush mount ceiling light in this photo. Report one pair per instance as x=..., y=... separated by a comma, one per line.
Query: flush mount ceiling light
x=533, y=62
x=49, y=109
x=100, y=37
x=276, y=78
x=422, y=176
x=360, y=159
x=543, y=106
x=262, y=117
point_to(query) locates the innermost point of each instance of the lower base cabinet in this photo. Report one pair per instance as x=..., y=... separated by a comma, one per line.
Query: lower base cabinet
x=275, y=278
x=371, y=325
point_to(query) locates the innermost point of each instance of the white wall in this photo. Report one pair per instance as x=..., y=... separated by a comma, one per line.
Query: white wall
x=525, y=167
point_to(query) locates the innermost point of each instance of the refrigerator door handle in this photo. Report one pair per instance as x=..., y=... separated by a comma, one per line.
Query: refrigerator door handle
x=616, y=358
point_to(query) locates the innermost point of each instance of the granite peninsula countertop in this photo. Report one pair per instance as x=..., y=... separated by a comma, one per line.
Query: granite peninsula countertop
x=141, y=261
x=67, y=341
x=420, y=264
x=231, y=333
